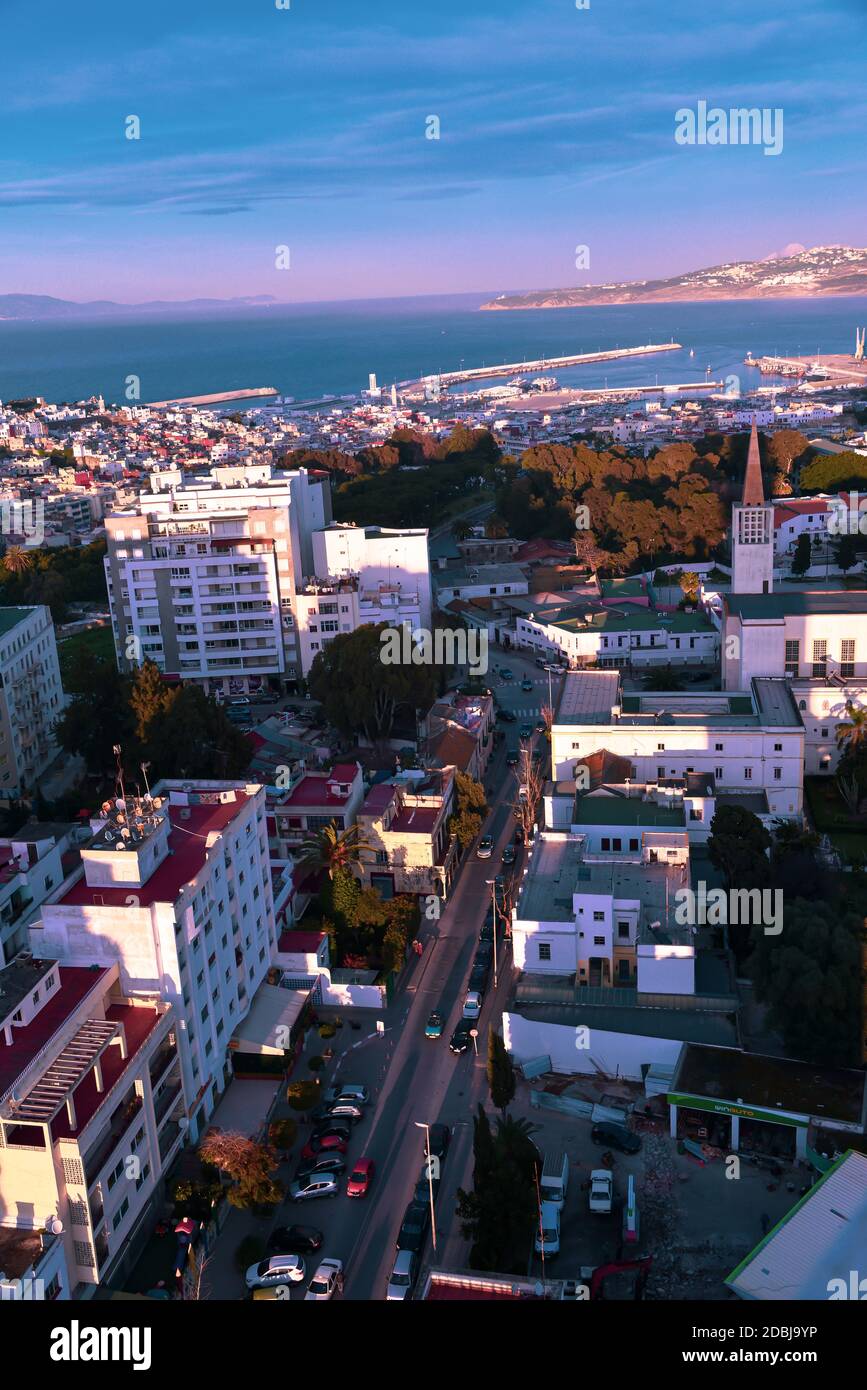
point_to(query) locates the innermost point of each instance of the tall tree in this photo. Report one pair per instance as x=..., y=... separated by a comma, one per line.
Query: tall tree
x=249, y=1165
x=500, y=1072
x=332, y=848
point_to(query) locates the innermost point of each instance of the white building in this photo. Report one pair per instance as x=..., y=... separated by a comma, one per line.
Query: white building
x=177, y=891
x=801, y=634
x=31, y=865
x=751, y=743
x=31, y=697
x=381, y=559
x=753, y=531
x=627, y=636
x=92, y=1113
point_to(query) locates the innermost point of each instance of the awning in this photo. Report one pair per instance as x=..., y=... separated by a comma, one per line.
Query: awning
x=268, y=1026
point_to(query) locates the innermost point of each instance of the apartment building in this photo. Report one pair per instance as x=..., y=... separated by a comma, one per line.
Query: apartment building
x=92, y=1113
x=381, y=559
x=404, y=823
x=751, y=742
x=325, y=607
x=31, y=698
x=202, y=576
x=629, y=636
x=313, y=801
x=175, y=889
x=31, y=864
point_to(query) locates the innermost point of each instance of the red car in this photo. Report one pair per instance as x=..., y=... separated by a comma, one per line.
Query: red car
x=359, y=1180
x=327, y=1143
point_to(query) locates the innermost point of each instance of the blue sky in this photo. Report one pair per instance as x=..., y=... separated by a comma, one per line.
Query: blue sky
x=306, y=127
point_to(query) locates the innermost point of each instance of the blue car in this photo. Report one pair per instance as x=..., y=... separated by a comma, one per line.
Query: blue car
x=434, y=1026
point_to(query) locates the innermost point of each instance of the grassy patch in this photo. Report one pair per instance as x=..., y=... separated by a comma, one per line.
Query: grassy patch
x=832, y=817
x=97, y=640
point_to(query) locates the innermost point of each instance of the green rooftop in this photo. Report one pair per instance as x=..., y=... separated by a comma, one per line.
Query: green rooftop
x=11, y=617
x=622, y=810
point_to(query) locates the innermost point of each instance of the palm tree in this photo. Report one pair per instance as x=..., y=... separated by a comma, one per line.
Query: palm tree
x=852, y=737
x=17, y=560
x=332, y=848
x=461, y=530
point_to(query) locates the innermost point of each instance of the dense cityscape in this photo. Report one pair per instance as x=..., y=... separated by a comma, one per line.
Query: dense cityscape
x=432, y=814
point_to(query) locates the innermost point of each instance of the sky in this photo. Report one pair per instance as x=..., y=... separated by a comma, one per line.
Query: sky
x=307, y=128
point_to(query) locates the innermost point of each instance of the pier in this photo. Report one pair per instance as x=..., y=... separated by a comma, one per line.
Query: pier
x=540, y=364
x=247, y=393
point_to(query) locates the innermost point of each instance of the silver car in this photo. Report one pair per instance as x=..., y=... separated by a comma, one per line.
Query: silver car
x=402, y=1277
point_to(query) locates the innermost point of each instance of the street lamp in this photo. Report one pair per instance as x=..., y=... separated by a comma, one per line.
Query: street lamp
x=492, y=884
x=549, y=669
x=420, y=1124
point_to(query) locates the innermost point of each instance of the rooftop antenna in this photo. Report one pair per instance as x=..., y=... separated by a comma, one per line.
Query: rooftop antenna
x=116, y=750
x=144, y=769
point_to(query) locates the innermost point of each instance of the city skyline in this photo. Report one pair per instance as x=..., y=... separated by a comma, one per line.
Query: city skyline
x=309, y=130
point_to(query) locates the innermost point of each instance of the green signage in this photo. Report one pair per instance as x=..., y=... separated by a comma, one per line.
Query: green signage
x=726, y=1107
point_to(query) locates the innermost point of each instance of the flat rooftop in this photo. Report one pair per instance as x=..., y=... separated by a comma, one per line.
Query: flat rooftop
x=797, y=603
x=685, y=1025
x=11, y=617
x=76, y=982
x=587, y=697
x=771, y=1083
x=626, y=810
x=694, y=709
x=188, y=841
x=18, y=980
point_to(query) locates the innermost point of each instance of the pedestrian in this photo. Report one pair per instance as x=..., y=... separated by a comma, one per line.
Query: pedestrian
x=340, y=1281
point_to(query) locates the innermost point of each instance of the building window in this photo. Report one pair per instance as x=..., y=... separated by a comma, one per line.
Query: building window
x=599, y=941
x=544, y=950
x=748, y=774
x=598, y=917
x=793, y=658
x=633, y=844
x=718, y=748
x=606, y=843
x=623, y=931
x=778, y=774
x=847, y=658
x=820, y=658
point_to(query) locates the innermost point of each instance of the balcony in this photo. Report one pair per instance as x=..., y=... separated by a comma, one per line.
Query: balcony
x=100, y=1152
x=166, y=1099
x=162, y=1060
x=168, y=1138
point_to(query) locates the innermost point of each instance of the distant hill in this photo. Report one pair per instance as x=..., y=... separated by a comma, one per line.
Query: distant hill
x=825, y=270
x=43, y=306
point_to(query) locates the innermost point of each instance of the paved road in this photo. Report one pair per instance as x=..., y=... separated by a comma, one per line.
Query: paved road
x=412, y=1078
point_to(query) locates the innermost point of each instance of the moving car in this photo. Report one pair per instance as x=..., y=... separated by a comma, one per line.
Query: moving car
x=485, y=847
x=359, y=1180
x=506, y=674
x=507, y=716
x=326, y=1281
x=413, y=1230
x=276, y=1269
x=525, y=731
x=402, y=1277
x=461, y=1036
x=526, y=683
x=304, y=1238
x=541, y=725
x=616, y=1137
x=512, y=758
x=472, y=1005
x=509, y=856
x=315, y=1185
x=434, y=1026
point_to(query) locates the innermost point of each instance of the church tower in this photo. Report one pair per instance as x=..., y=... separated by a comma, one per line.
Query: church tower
x=753, y=531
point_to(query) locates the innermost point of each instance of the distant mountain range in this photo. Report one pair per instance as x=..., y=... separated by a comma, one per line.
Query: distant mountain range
x=825, y=270
x=43, y=306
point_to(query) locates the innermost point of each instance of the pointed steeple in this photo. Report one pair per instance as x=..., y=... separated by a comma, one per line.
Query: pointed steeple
x=754, y=495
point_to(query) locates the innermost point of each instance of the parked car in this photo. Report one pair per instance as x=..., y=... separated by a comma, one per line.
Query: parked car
x=337, y=1110
x=461, y=1036
x=472, y=1005
x=304, y=1238
x=331, y=1163
x=413, y=1230
x=485, y=847
x=315, y=1185
x=601, y=1190
x=276, y=1269
x=507, y=716
x=423, y=1187
x=434, y=1026
x=616, y=1137
x=239, y=700
x=326, y=1281
x=479, y=978
x=321, y=1145
x=509, y=856
x=548, y=1238
x=334, y=1129
x=484, y=953
x=359, y=1180
x=438, y=1141
x=347, y=1090
x=526, y=683
x=402, y=1279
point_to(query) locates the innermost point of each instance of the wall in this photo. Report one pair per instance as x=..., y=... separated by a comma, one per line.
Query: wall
x=615, y=1054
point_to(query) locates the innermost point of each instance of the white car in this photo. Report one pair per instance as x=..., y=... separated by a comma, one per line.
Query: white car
x=325, y=1281
x=402, y=1277
x=601, y=1190
x=278, y=1269
x=473, y=1004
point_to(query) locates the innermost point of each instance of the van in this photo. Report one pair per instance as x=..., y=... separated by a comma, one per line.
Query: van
x=549, y=1235
x=616, y=1137
x=555, y=1177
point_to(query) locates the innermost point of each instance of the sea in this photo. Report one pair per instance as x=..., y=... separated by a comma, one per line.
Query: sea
x=309, y=350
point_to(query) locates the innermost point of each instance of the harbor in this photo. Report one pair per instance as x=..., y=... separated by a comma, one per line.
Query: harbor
x=247, y=393
x=580, y=359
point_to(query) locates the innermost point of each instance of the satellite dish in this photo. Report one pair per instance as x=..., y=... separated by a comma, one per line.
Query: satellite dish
x=55, y=1226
